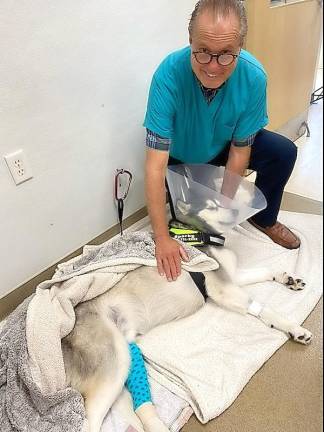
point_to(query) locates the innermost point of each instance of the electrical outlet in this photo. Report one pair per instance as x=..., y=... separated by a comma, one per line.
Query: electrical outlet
x=18, y=166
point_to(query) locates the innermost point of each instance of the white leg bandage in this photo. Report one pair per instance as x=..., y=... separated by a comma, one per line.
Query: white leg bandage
x=255, y=308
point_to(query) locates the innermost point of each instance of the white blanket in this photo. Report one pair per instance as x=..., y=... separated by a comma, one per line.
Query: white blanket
x=50, y=315
x=208, y=358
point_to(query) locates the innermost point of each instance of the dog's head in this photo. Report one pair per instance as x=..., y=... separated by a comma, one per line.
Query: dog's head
x=207, y=216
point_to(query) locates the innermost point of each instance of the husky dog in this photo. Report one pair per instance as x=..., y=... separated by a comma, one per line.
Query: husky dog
x=211, y=218
x=96, y=352
x=219, y=213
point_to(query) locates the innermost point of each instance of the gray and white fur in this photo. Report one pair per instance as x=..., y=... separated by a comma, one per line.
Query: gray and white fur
x=96, y=353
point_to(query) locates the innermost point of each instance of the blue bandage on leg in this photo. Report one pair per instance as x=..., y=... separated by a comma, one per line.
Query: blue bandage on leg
x=137, y=381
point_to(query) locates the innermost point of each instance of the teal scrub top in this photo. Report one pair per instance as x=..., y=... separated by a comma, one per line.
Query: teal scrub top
x=178, y=110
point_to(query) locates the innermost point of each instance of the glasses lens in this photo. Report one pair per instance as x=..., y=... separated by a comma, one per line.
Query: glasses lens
x=226, y=59
x=202, y=57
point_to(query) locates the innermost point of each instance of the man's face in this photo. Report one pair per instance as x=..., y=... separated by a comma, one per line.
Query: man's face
x=214, y=36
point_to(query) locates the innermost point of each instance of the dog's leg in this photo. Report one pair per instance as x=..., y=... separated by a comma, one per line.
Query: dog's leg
x=227, y=260
x=225, y=294
x=252, y=276
x=274, y=320
x=149, y=418
x=98, y=364
x=98, y=400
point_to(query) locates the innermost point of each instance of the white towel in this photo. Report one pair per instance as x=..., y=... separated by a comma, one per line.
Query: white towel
x=208, y=358
x=222, y=355
x=50, y=315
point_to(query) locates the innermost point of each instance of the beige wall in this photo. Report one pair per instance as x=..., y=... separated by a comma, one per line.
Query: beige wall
x=286, y=39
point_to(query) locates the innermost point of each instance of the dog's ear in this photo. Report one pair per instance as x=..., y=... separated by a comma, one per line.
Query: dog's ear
x=210, y=204
x=183, y=207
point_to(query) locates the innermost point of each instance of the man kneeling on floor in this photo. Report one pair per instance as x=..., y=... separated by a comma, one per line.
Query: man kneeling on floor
x=207, y=104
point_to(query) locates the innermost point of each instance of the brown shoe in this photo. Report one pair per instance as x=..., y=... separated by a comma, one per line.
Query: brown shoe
x=280, y=234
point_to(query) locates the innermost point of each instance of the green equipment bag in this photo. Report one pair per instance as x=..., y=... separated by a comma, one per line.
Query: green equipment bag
x=192, y=236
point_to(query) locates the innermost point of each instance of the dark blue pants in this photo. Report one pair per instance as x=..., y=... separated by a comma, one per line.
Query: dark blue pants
x=273, y=158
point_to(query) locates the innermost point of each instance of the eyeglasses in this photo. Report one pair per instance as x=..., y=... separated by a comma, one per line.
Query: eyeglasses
x=222, y=59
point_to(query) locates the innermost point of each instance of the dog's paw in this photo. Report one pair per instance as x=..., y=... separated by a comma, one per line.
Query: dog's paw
x=291, y=282
x=301, y=335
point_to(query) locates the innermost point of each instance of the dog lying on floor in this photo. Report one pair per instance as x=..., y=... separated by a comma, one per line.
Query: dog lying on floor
x=96, y=352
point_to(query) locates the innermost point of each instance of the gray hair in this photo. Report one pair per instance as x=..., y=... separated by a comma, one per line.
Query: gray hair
x=222, y=8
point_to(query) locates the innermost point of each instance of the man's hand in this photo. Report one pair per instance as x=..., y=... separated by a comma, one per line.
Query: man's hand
x=169, y=254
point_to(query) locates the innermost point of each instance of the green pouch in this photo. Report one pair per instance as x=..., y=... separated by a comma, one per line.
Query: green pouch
x=192, y=236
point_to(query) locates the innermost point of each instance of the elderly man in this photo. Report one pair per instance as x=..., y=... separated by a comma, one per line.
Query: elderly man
x=207, y=104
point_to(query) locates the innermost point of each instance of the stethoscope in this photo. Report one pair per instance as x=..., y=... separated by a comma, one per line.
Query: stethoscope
x=123, y=180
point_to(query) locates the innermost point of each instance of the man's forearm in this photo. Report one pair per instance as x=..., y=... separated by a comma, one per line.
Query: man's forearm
x=156, y=202
x=168, y=252
x=238, y=161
